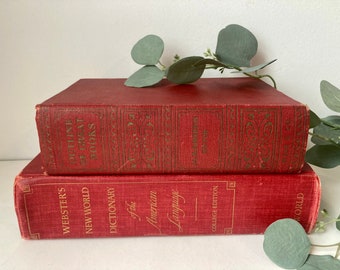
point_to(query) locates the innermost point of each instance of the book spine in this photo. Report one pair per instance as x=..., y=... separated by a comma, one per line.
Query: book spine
x=172, y=139
x=115, y=206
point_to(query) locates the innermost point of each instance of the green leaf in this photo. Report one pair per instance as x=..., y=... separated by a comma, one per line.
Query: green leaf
x=314, y=120
x=146, y=76
x=236, y=46
x=320, y=262
x=328, y=131
x=148, y=50
x=332, y=121
x=330, y=95
x=324, y=156
x=337, y=223
x=185, y=70
x=255, y=68
x=286, y=243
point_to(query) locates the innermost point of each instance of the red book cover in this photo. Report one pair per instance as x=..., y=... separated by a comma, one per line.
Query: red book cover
x=160, y=205
x=225, y=125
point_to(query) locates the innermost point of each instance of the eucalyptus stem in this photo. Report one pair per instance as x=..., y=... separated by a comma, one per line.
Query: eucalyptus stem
x=163, y=67
x=337, y=253
x=331, y=245
x=260, y=77
x=271, y=78
x=332, y=125
x=324, y=139
x=256, y=76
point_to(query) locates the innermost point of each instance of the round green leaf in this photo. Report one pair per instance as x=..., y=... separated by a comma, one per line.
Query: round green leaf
x=146, y=76
x=330, y=95
x=321, y=262
x=286, y=243
x=236, y=46
x=148, y=50
x=324, y=156
x=186, y=70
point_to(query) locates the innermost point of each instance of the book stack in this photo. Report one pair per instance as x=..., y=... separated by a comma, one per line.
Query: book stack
x=221, y=156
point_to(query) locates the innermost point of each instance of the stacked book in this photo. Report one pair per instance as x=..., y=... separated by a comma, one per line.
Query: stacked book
x=221, y=156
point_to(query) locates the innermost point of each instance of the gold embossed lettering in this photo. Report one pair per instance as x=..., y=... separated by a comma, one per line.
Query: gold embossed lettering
x=153, y=219
x=214, y=208
x=112, y=210
x=195, y=140
x=70, y=141
x=64, y=212
x=132, y=210
x=81, y=134
x=298, y=206
x=92, y=141
x=177, y=213
x=87, y=210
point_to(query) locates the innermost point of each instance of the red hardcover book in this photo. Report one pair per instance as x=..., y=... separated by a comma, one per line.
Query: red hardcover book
x=167, y=204
x=226, y=125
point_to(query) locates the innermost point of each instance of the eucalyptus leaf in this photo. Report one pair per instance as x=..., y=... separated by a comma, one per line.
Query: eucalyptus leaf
x=314, y=120
x=146, y=76
x=328, y=131
x=236, y=46
x=332, y=121
x=148, y=50
x=321, y=262
x=254, y=68
x=337, y=223
x=330, y=95
x=286, y=243
x=324, y=156
x=185, y=71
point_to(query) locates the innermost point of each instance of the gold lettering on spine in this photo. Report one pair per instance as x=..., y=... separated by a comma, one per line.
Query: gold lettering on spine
x=195, y=140
x=177, y=213
x=81, y=141
x=298, y=206
x=214, y=208
x=64, y=212
x=153, y=219
x=205, y=137
x=92, y=141
x=112, y=210
x=70, y=142
x=81, y=134
x=87, y=210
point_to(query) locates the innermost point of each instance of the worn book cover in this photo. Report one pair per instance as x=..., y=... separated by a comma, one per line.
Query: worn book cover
x=160, y=205
x=226, y=125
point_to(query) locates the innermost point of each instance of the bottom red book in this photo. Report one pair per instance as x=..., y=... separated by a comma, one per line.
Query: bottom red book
x=145, y=205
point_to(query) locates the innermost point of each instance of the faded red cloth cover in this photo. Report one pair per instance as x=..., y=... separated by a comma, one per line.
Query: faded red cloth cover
x=142, y=205
x=225, y=125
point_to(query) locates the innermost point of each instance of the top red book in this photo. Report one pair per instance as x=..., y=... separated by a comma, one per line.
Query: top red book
x=100, y=126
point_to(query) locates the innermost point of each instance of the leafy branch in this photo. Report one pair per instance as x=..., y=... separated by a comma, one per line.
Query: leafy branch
x=236, y=46
x=325, y=132
x=325, y=221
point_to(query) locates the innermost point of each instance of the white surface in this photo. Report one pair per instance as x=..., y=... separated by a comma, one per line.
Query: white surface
x=47, y=45
x=238, y=252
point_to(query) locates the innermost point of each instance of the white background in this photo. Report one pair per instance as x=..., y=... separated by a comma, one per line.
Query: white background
x=47, y=45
